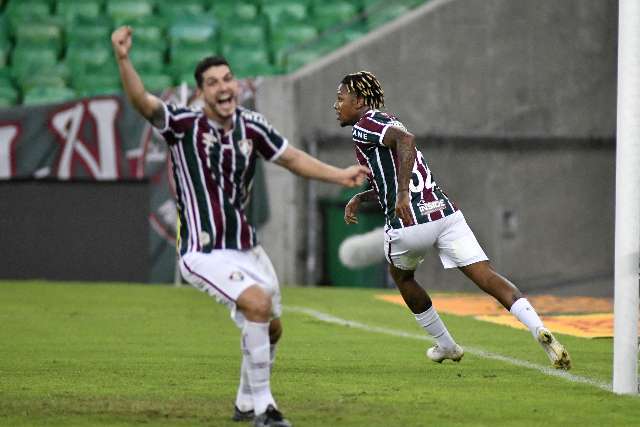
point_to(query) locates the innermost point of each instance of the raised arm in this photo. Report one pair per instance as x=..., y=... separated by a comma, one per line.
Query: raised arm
x=302, y=164
x=403, y=144
x=148, y=105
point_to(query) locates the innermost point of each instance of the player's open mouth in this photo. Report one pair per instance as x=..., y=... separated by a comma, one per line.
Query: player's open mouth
x=225, y=101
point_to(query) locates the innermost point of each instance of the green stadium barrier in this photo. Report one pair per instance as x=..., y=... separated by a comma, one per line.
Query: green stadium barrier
x=28, y=59
x=8, y=94
x=236, y=11
x=333, y=14
x=156, y=82
x=88, y=31
x=169, y=35
x=48, y=94
x=248, y=62
x=170, y=9
x=82, y=58
x=335, y=231
x=292, y=35
x=70, y=10
x=25, y=11
x=284, y=13
x=40, y=31
x=5, y=49
x=147, y=31
x=184, y=61
x=147, y=59
x=386, y=14
x=243, y=35
x=293, y=60
x=123, y=10
x=192, y=31
x=55, y=76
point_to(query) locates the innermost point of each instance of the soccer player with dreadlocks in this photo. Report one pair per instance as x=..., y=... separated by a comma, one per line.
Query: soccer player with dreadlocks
x=419, y=215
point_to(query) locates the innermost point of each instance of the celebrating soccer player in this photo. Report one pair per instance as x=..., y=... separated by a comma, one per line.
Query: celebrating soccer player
x=419, y=215
x=214, y=152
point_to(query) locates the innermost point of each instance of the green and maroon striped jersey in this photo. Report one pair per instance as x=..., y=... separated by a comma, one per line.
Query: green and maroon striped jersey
x=213, y=172
x=428, y=201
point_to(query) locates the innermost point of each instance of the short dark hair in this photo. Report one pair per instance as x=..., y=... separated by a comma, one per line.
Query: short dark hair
x=365, y=85
x=205, y=64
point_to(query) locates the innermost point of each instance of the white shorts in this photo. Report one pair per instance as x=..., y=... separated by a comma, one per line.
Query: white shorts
x=225, y=273
x=457, y=246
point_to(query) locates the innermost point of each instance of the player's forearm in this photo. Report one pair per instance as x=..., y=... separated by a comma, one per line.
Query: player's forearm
x=302, y=164
x=406, y=151
x=367, y=196
x=142, y=101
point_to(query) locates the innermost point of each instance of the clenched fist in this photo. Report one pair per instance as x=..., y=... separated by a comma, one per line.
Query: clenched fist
x=121, y=41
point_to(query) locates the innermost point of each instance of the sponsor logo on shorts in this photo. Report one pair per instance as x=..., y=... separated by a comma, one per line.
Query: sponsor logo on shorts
x=430, y=207
x=236, y=276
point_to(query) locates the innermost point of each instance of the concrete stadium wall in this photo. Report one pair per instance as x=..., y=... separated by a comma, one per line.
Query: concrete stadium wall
x=483, y=67
x=498, y=73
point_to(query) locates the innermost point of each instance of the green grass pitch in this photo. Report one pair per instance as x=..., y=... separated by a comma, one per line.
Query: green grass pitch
x=78, y=354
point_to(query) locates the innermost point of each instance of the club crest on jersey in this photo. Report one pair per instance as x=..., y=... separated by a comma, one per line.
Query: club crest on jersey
x=209, y=139
x=236, y=276
x=430, y=207
x=245, y=146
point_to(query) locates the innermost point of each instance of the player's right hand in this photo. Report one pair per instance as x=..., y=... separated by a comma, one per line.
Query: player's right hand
x=121, y=41
x=403, y=207
x=351, y=210
x=353, y=176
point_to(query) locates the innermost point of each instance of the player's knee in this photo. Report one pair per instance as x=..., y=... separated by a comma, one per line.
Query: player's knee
x=255, y=304
x=262, y=308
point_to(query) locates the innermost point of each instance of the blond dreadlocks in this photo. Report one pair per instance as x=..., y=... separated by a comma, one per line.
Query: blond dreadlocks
x=365, y=85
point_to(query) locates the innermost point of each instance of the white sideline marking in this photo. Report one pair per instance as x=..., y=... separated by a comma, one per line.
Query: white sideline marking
x=325, y=317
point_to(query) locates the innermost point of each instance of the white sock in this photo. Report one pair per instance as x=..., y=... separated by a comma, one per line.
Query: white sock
x=244, y=399
x=272, y=356
x=255, y=338
x=525, y=313
x=432, y=323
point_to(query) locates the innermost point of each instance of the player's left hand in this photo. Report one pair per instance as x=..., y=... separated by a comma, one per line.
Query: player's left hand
x=403, y=207
x=354, y=176
x=351, y=210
